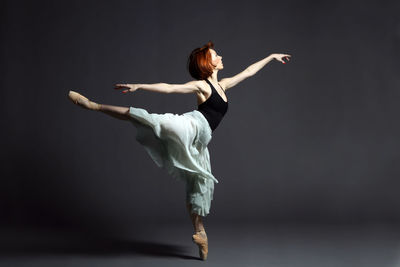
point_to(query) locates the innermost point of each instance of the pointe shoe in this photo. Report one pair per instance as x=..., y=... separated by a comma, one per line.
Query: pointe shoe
x=200, y=238
x=82, y=101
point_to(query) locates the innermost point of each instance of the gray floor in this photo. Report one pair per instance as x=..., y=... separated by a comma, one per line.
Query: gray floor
x=235, y=245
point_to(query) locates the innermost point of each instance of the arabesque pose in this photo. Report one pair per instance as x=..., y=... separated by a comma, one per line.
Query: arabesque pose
x=178, y=142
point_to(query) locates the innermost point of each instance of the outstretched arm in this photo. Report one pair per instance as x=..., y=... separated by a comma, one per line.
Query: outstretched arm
x=227, y=83
x=189, y=87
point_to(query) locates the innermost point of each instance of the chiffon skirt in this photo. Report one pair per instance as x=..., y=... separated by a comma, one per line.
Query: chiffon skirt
x=178, y=143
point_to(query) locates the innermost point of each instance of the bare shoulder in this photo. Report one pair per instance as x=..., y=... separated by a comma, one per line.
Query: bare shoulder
x=204, y=91
x=202, y=86
x=224, y=83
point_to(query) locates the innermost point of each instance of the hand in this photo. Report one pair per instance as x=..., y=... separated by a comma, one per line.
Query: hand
x=131, y=87
x=282, y=57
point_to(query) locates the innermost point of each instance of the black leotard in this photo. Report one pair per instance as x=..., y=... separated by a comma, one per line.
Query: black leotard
x=214, y=108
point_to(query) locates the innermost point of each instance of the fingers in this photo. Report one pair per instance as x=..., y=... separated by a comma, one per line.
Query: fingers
x=285, y=57
x=120, y=86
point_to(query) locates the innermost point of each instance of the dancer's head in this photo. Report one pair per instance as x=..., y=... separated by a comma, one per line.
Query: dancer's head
x=203, y=61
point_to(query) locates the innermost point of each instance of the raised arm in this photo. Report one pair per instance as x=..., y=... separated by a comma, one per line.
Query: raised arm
x=189, y=87
x=227, y=83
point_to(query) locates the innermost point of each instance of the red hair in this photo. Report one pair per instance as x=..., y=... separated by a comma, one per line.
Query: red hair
x=199, y=62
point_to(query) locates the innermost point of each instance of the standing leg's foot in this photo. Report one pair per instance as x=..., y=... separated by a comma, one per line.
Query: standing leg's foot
x=200, y=238
x=82, y=101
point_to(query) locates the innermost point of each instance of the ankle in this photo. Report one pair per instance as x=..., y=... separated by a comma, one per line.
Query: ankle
x=201, y=234
x=95, y=106
x=199, y=230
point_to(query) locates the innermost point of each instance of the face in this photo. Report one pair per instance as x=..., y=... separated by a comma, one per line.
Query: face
x=216, y=60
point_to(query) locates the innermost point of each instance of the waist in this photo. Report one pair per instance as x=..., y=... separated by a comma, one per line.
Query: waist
x=213, y=117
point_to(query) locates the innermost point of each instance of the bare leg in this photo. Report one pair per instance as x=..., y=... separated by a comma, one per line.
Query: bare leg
x=121, y=113
x=196, y=219
x=200, y=237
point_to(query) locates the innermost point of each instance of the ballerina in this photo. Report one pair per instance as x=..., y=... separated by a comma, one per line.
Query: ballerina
x=178, y=142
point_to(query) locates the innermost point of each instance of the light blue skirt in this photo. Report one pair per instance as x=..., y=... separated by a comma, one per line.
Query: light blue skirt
x=178, y=143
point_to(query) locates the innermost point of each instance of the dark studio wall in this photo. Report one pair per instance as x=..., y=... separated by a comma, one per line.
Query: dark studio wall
x=314, y=140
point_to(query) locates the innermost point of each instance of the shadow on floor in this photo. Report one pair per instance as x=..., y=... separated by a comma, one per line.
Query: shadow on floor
x=91, y=246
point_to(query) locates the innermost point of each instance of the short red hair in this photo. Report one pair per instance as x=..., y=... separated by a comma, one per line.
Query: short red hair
x=199, y=62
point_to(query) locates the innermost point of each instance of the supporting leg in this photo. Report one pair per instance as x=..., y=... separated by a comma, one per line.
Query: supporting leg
x=196, y=219
x=200, y=237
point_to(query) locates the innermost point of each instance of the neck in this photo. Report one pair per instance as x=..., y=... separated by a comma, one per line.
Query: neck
x=213, y=78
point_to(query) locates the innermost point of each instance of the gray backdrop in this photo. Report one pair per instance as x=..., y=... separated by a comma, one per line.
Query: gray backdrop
x=315, y=140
